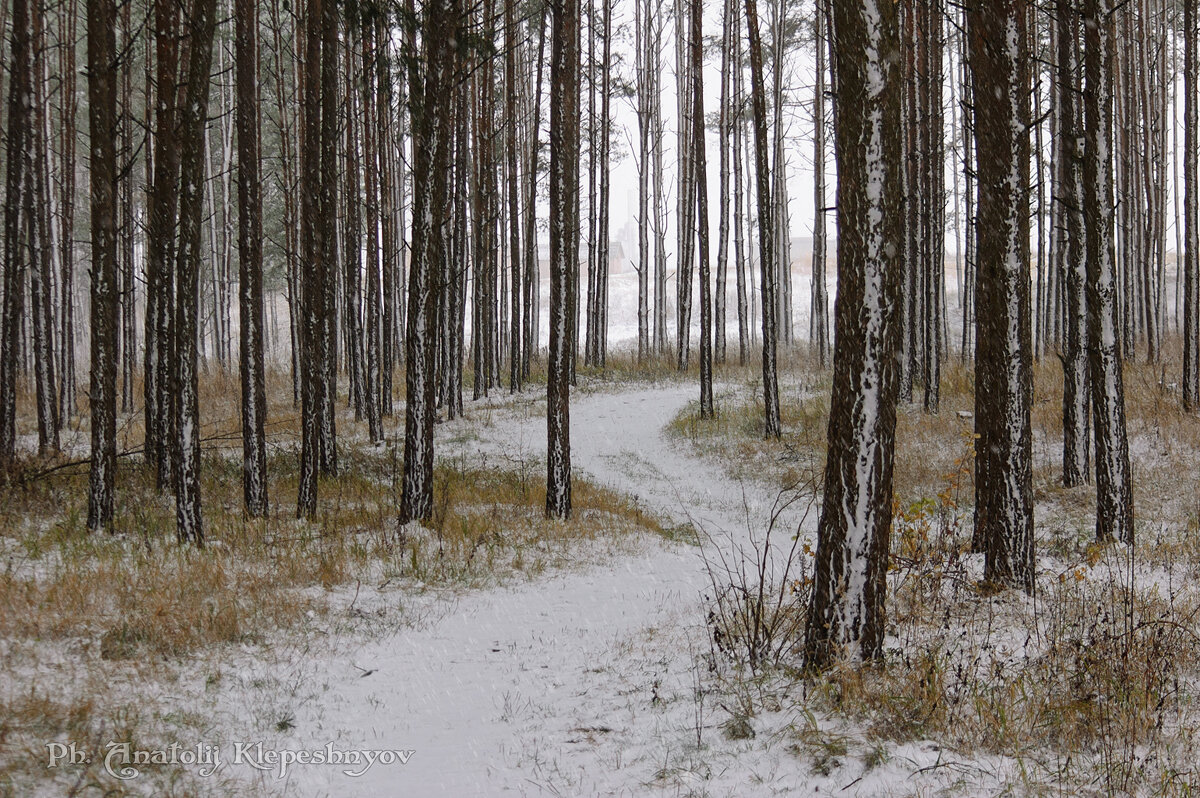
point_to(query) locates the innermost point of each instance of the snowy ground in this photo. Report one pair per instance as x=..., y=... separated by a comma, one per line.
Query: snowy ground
x=592, y=680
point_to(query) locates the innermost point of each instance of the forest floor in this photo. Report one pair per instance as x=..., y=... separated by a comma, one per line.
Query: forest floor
x=647, y=648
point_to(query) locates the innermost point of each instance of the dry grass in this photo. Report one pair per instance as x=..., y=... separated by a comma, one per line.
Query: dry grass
x=120, y=602
x=1091, y=686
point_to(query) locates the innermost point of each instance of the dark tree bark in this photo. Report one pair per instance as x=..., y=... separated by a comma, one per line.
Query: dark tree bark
x=513, y=185
x=532, y=280
x=312, y=278
x=17, y=183
x=600, y=356
x=41, y=247
x=391, y=185
x=68, y=106
x=352, y=225
x=819, y=318
x=700, y=187
x=102, y=127
x=686, y=188
x=372, y=345
x=431, y=111
x=1003, y=349
x=160, y=235
x=932, y=206
x=847, y=611
x=564, y=245
x=1114, y=481
x=250, y=260
x=1076, y=417
x=724, y=124
x=186, y=454
x=643, y=45
x=327, y=347
x=771, y=426
x=1191, y=235
x=740, y=245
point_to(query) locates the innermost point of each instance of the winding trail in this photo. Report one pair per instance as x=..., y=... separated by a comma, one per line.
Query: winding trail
x=581, y=682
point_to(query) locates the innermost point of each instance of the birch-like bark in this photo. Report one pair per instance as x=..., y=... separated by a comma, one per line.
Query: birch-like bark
x=1003, y=350
x=847, y=613
x=1076, y=448
x=188, y=517
x=1114, y=481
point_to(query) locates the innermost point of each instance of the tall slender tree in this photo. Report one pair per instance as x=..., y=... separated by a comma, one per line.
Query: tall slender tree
x=847, y=610
x=1114, y=480
x=1191, y=235
x=1073, y=251
x=102, y=127
x=16, y=177
x=700, y=187
x=1003, y=349
x=250, y=259
x=766, y=238
x=431, y=112
x=564, y=245
x=312, y=280
x=185, y=374
x=819, y=315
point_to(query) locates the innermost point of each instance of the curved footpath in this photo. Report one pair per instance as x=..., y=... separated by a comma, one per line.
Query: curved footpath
x=580, y=682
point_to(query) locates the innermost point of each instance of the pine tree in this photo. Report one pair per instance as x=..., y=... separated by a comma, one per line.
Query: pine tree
x=767, y=244
x=1114, y=481
x=564, y=244
x=102, y=127
x=847, y=610
x=185, y=389
x=1073, y=251
x=1003, y=349
x=250, y=236
x=430, y=109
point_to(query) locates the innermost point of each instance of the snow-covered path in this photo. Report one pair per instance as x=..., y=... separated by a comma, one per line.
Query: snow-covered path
x=575, y=683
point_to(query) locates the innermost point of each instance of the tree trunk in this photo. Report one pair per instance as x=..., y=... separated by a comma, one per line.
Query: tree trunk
x=254, y=398
x=819, y=319
x=1074, y=253
x=1003, y=350
x=41, y=249
x=724, y=121
x=700, y=187
x=564, y=243
x=312, y=279
x=372, y=379
x=17, y=183
x=1191, y=234
x=767, y=264
x=1114, y=481
x=189, y=522
x=431, y=111
x=102, y=127
x=685, y=199
x=163, y=204
x=327, y=349
x=847, y=610
x=513, y=183
x=533, y=275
